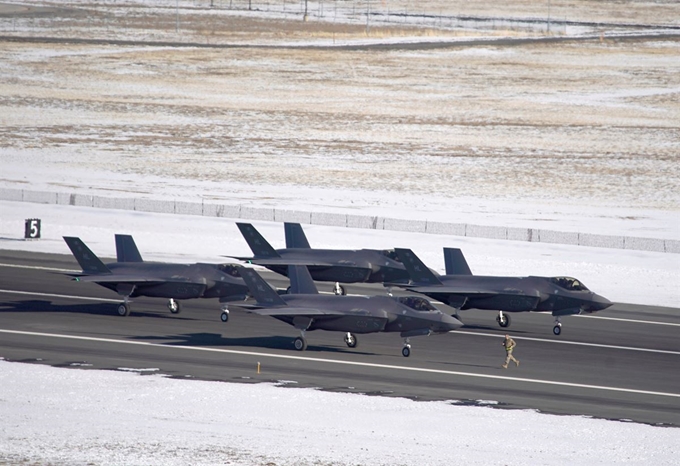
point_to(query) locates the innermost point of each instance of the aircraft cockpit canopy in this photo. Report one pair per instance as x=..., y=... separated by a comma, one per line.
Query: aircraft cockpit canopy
x=569, y=283
x=416, y=303
x=390, y=254
x=229, y=269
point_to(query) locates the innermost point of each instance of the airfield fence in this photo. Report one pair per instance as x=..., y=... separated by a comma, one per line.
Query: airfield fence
x=208, y=208
x=183, y=16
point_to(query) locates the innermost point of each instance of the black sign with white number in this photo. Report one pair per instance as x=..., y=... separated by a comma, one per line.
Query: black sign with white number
x=32, y=228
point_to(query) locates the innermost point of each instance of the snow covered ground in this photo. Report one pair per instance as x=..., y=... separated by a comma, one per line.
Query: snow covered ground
x=629, y=276
x=61, y=416
x=573, y=137
x=66, y=416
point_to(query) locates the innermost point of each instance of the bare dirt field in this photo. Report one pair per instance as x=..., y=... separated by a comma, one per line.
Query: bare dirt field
x=273, y=105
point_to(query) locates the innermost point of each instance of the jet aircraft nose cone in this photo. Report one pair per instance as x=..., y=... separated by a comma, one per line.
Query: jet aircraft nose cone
x=450, y=323
x=600, y=302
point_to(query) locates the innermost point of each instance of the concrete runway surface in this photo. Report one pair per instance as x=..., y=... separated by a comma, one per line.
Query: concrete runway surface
x=620, y=364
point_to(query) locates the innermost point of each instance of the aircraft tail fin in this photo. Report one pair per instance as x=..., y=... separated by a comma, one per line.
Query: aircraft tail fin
x=295, y=236
x=455, y=262
x=263, y=293
x=257, y=243
x=301, y=280
x=88, y=261
x=416, y=268
x=126, y=249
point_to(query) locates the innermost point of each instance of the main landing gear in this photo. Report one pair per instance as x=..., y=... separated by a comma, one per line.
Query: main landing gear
x=174, y=306
x=339, y=290
x=300, y=343
x=124, y=308
x=503, y=319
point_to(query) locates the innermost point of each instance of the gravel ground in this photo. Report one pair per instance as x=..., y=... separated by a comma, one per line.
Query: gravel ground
x=584, y=122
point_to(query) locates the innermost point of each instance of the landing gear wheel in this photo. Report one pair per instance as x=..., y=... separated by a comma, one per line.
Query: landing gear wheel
x=224, y=317
x=288, y=290
x=174, y=306
x=503, y=320
x=300, y=344
x=406, y=351
x=351, y=340
x=557, y=329
x=123, y=309
x=339, y=290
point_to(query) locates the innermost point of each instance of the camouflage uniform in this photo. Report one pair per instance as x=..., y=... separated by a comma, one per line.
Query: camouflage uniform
x=509, y=345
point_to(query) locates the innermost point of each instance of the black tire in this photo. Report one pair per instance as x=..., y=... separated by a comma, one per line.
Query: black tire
x=176, y=308
x=504, y=322
x=406, y=351
x=300, y=344
x=351, y=341
x=224, y=317
x=557, y=329
x=339, y=290
x=123, y=309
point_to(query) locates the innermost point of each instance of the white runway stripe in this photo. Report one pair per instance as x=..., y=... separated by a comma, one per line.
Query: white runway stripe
x=349, y=363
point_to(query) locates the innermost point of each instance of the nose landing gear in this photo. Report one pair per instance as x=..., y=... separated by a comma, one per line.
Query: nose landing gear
x=503, y=319
x=557, y=329
x=339, y=290
x=351, y=340
x=406, y=350
x=174, y=306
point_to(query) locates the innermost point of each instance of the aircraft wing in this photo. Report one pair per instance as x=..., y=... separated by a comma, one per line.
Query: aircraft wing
x=283, y=262
x=132, y=279
x=291, y=311
x=478, y=293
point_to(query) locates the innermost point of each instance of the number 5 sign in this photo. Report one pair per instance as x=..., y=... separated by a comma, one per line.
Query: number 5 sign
x=32, y=228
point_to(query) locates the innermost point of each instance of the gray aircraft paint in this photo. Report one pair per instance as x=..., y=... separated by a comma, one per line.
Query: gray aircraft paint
x=560, y=296
x=306, y=310
x=132, y=277
x=333, y=265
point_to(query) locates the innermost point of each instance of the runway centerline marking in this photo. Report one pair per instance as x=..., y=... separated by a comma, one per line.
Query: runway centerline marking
x=636, y=321
x=567, y=342
x=346, y=363
x=53, y=295
x=39, y=267
x=462, y=332
x=322, y=292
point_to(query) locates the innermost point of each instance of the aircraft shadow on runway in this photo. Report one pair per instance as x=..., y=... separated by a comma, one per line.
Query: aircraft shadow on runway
x=268, y=342
x=492, y=328
x=104, y=309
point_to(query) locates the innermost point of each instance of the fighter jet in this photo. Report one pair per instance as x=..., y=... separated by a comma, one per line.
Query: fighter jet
x=560, y=296
x=306, y=310
x=131, y=277
x=331, y=265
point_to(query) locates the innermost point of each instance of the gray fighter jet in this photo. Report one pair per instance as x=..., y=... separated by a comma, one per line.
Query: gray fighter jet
x=560, y=296
x=330, y=265
x=131, y=277
x=306, y=310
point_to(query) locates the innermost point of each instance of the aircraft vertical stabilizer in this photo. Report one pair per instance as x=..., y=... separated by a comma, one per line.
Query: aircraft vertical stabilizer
x=88, y=261
x=455, y=262
x=416, y=268
x=300, y=280
x=263, y=293
x=260, y=247
x=295, y=236
x=126, y=249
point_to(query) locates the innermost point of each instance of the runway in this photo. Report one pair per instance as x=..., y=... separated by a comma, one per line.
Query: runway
x=621, y=364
